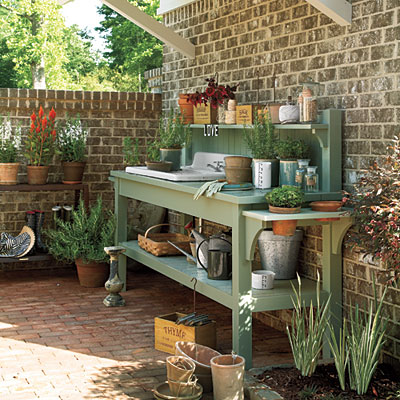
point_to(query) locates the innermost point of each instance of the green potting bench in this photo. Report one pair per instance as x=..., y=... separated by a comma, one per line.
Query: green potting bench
x=245, y=212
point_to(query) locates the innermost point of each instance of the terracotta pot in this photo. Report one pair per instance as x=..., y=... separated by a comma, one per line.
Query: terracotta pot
x=92, y=274
x=284, y=210
x=8, y=173
x=238, y=175
x=284, y=228
x=327, y=206
x=164, y=166
x=73, y=172
x=37, y=175
x=238, y=161
x=187, y=112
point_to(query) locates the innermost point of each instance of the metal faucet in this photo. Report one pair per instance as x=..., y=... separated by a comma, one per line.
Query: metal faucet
x=216, y=168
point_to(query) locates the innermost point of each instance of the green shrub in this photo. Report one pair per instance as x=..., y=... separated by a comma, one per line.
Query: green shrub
x=286, y=196
x=85, y=236
x=288, y=149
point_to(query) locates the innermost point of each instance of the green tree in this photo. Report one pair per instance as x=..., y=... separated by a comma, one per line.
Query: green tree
x=34, y=33
x=131, y=49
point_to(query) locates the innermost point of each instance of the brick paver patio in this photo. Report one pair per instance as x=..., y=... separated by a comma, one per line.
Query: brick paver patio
x=58, y=341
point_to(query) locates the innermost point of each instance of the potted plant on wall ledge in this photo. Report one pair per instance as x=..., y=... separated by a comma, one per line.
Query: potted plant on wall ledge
x=71, y=146
x=82, y=240
x=289, y=151
x=285, y=200
x=10, y=143
x=40, y=146
x=261, y=140
x=174, y=134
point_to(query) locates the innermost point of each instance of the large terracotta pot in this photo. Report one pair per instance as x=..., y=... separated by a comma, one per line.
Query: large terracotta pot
x=8, y=173
x=73, y=172
x=92, y=273
x=37, y=175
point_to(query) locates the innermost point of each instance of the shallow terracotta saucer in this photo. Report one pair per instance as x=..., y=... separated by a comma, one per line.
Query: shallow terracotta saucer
x=326, y=206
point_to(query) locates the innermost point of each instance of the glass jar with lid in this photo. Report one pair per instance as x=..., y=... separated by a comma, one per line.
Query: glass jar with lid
x=308, y=100
x=311, y=180
x=301, y=173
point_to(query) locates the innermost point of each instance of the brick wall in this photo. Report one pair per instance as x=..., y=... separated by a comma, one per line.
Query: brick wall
x=110, y=116
x=358, y=68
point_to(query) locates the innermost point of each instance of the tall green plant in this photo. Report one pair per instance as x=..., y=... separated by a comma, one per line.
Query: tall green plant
x=85, y=236
x=260, y=138
x=365, y=342
x=131, y=151
x=340, y=353
x=173, y=132
x=71, y=140
x=307, y=330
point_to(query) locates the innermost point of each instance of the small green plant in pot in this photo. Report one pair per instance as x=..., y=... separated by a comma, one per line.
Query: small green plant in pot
x=71, y=147
x=285, y=200
x=153, y=158
x=174, y=134
x=261, y=140
x=82, y=240
x=289, y=151
x=10, y=145
x=131, y=151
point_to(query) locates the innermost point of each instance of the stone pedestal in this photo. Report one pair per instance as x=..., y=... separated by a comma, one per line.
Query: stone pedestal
x=114, y=285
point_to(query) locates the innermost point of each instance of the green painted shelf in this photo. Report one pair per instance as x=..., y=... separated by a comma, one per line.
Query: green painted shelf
x=304, y=127
x=177, y=268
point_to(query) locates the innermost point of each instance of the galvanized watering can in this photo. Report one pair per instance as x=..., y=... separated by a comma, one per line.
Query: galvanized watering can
x=219, y=261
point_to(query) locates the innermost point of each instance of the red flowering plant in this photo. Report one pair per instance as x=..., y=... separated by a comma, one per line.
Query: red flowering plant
x=40, y=143
x=215, y=94
x=376, y=211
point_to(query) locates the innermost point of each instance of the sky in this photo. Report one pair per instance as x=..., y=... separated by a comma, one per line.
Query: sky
x=84, y=14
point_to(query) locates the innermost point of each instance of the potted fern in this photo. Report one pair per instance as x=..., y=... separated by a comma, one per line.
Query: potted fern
x=174, y=134
x=261, y=141
x=82, y=240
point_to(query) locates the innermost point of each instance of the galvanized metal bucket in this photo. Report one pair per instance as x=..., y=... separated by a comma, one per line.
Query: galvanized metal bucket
x=279, y=254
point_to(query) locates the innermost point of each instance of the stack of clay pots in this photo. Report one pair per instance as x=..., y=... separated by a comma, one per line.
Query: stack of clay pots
x=238, y=169
x=186, y=108
x=230, y=113
x=181, y=381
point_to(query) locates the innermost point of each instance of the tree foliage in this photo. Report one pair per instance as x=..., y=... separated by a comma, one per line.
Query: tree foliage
x=131, y=49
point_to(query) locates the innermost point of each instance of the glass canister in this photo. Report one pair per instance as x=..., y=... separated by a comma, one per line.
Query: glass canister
x=311, y=180
x=309, y=96
x=301, y=173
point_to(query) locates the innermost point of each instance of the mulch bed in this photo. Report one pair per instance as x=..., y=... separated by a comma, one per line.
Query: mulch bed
x=324, y=384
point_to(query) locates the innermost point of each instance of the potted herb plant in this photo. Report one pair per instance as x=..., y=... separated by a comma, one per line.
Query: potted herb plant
x=131, y=151
x=174, y=134
x=285, y=200
x=289, y=151
x=261, y=140
x=10, y=143
x=71, y=146
x=82, y=240
x=153, y=158
x=40, y=146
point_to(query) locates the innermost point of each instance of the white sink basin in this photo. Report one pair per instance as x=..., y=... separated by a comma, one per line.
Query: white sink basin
x=200, y=170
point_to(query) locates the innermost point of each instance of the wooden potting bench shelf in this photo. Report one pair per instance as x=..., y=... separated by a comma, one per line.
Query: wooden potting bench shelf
x=245, y=212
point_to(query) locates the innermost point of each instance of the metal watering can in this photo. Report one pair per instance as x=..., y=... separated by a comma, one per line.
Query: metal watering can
x=215, y=242
x=219, y=261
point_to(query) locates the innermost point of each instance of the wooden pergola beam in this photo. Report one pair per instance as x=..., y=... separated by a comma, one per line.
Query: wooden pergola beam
x=155, y=28
x=338, y=10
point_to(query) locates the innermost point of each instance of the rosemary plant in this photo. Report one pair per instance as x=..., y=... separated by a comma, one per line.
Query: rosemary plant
x=173, y=132
x=131, y=151
x=307, y=330
x=85, y=236
x=260, y=138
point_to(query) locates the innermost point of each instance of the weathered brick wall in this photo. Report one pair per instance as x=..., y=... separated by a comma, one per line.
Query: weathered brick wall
x=110, y=116
x=358, y=68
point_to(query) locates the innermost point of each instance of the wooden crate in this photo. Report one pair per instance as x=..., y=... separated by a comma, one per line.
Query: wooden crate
x=204, y=114
x=167, y=332
x=244, y=115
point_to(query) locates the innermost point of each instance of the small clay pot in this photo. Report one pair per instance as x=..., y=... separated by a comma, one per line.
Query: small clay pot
x=37, y=175
x=238, y=161
x=238, y=175
x=284, y=228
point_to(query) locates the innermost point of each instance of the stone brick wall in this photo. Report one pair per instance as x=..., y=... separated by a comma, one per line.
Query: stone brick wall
x=358, y=68
x=110, y=116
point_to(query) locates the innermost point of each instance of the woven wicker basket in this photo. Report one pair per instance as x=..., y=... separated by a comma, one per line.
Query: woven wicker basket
x=157, y=245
